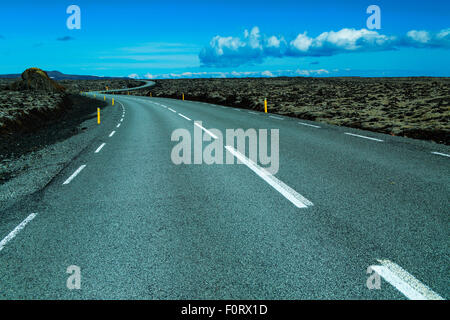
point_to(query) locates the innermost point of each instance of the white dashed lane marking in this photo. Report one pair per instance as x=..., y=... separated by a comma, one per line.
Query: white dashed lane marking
x=278, y=118
x=293, y=196
x=100, y=148
x=16, y=230
x=404, y=282
x=182, y=115
x=308, y=125
x=441, y=154
x=206, y=130
x=364, y=137
x=74, y=174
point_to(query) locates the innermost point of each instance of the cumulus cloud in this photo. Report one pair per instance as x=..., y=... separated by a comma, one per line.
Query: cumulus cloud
x=426, y=39
x=133, y=76
x=345, y=40
x=234, y=51
x=254, y=47
x=66, y=38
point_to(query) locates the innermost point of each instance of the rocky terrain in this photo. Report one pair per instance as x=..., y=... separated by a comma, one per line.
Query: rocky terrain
x=34, y=100
x=412, y=107
x=75, y=86
x=43, y=125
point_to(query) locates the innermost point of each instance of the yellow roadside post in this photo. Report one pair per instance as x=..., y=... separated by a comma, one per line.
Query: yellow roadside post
x=112, y=101
x=150, y=94
x=95, y=95
x=98, y=115
x=104, y=98
x=265, y=105
x=183, y=96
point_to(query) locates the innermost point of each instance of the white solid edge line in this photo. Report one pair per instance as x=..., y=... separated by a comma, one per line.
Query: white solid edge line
x=364, y=137
x=182, y=115
x=308, y=125
x=293, y=196
x=171, y=110
x=112, y=133
x=253, y=112
x=441, y=154
x=278, y=118
x=404, y=282
x=206, y=130
x=74, y=174
x=16, y=230
x=100, y=148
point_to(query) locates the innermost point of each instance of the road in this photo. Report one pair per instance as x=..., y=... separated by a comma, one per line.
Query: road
x=141, y=227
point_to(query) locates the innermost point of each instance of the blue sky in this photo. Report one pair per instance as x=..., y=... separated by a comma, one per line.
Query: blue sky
x=227, y=38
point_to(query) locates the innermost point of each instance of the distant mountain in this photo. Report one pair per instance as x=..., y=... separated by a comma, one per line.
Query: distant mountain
x=56, y=75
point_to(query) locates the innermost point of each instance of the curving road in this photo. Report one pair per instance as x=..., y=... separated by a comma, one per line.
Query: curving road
x=146, y=85
x=141, y=227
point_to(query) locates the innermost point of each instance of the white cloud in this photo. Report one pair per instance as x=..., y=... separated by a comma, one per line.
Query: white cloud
x=443, y=34
x=273, y=42
x=302, y=42
x=254, y=47
x=237, y=74
x=267, y=74
x=419, y=36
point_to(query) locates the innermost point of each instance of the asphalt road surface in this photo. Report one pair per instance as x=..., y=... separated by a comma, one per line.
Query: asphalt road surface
x=139, y=226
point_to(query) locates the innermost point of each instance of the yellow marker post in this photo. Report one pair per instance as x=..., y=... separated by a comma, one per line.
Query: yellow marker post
x=95, y=95
x=128, y=92
x=150, y=94
x=112, y=101
x=104, y=98
x=183, y=96
x=98, y=115
x=265, y=105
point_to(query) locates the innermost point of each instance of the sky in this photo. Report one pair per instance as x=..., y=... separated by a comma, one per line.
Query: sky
x=196, y=38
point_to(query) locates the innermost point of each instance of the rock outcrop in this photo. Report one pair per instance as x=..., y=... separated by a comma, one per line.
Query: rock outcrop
x=37, y=80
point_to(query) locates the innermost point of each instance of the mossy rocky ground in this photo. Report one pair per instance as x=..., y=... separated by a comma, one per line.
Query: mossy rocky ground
x=413, y=107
